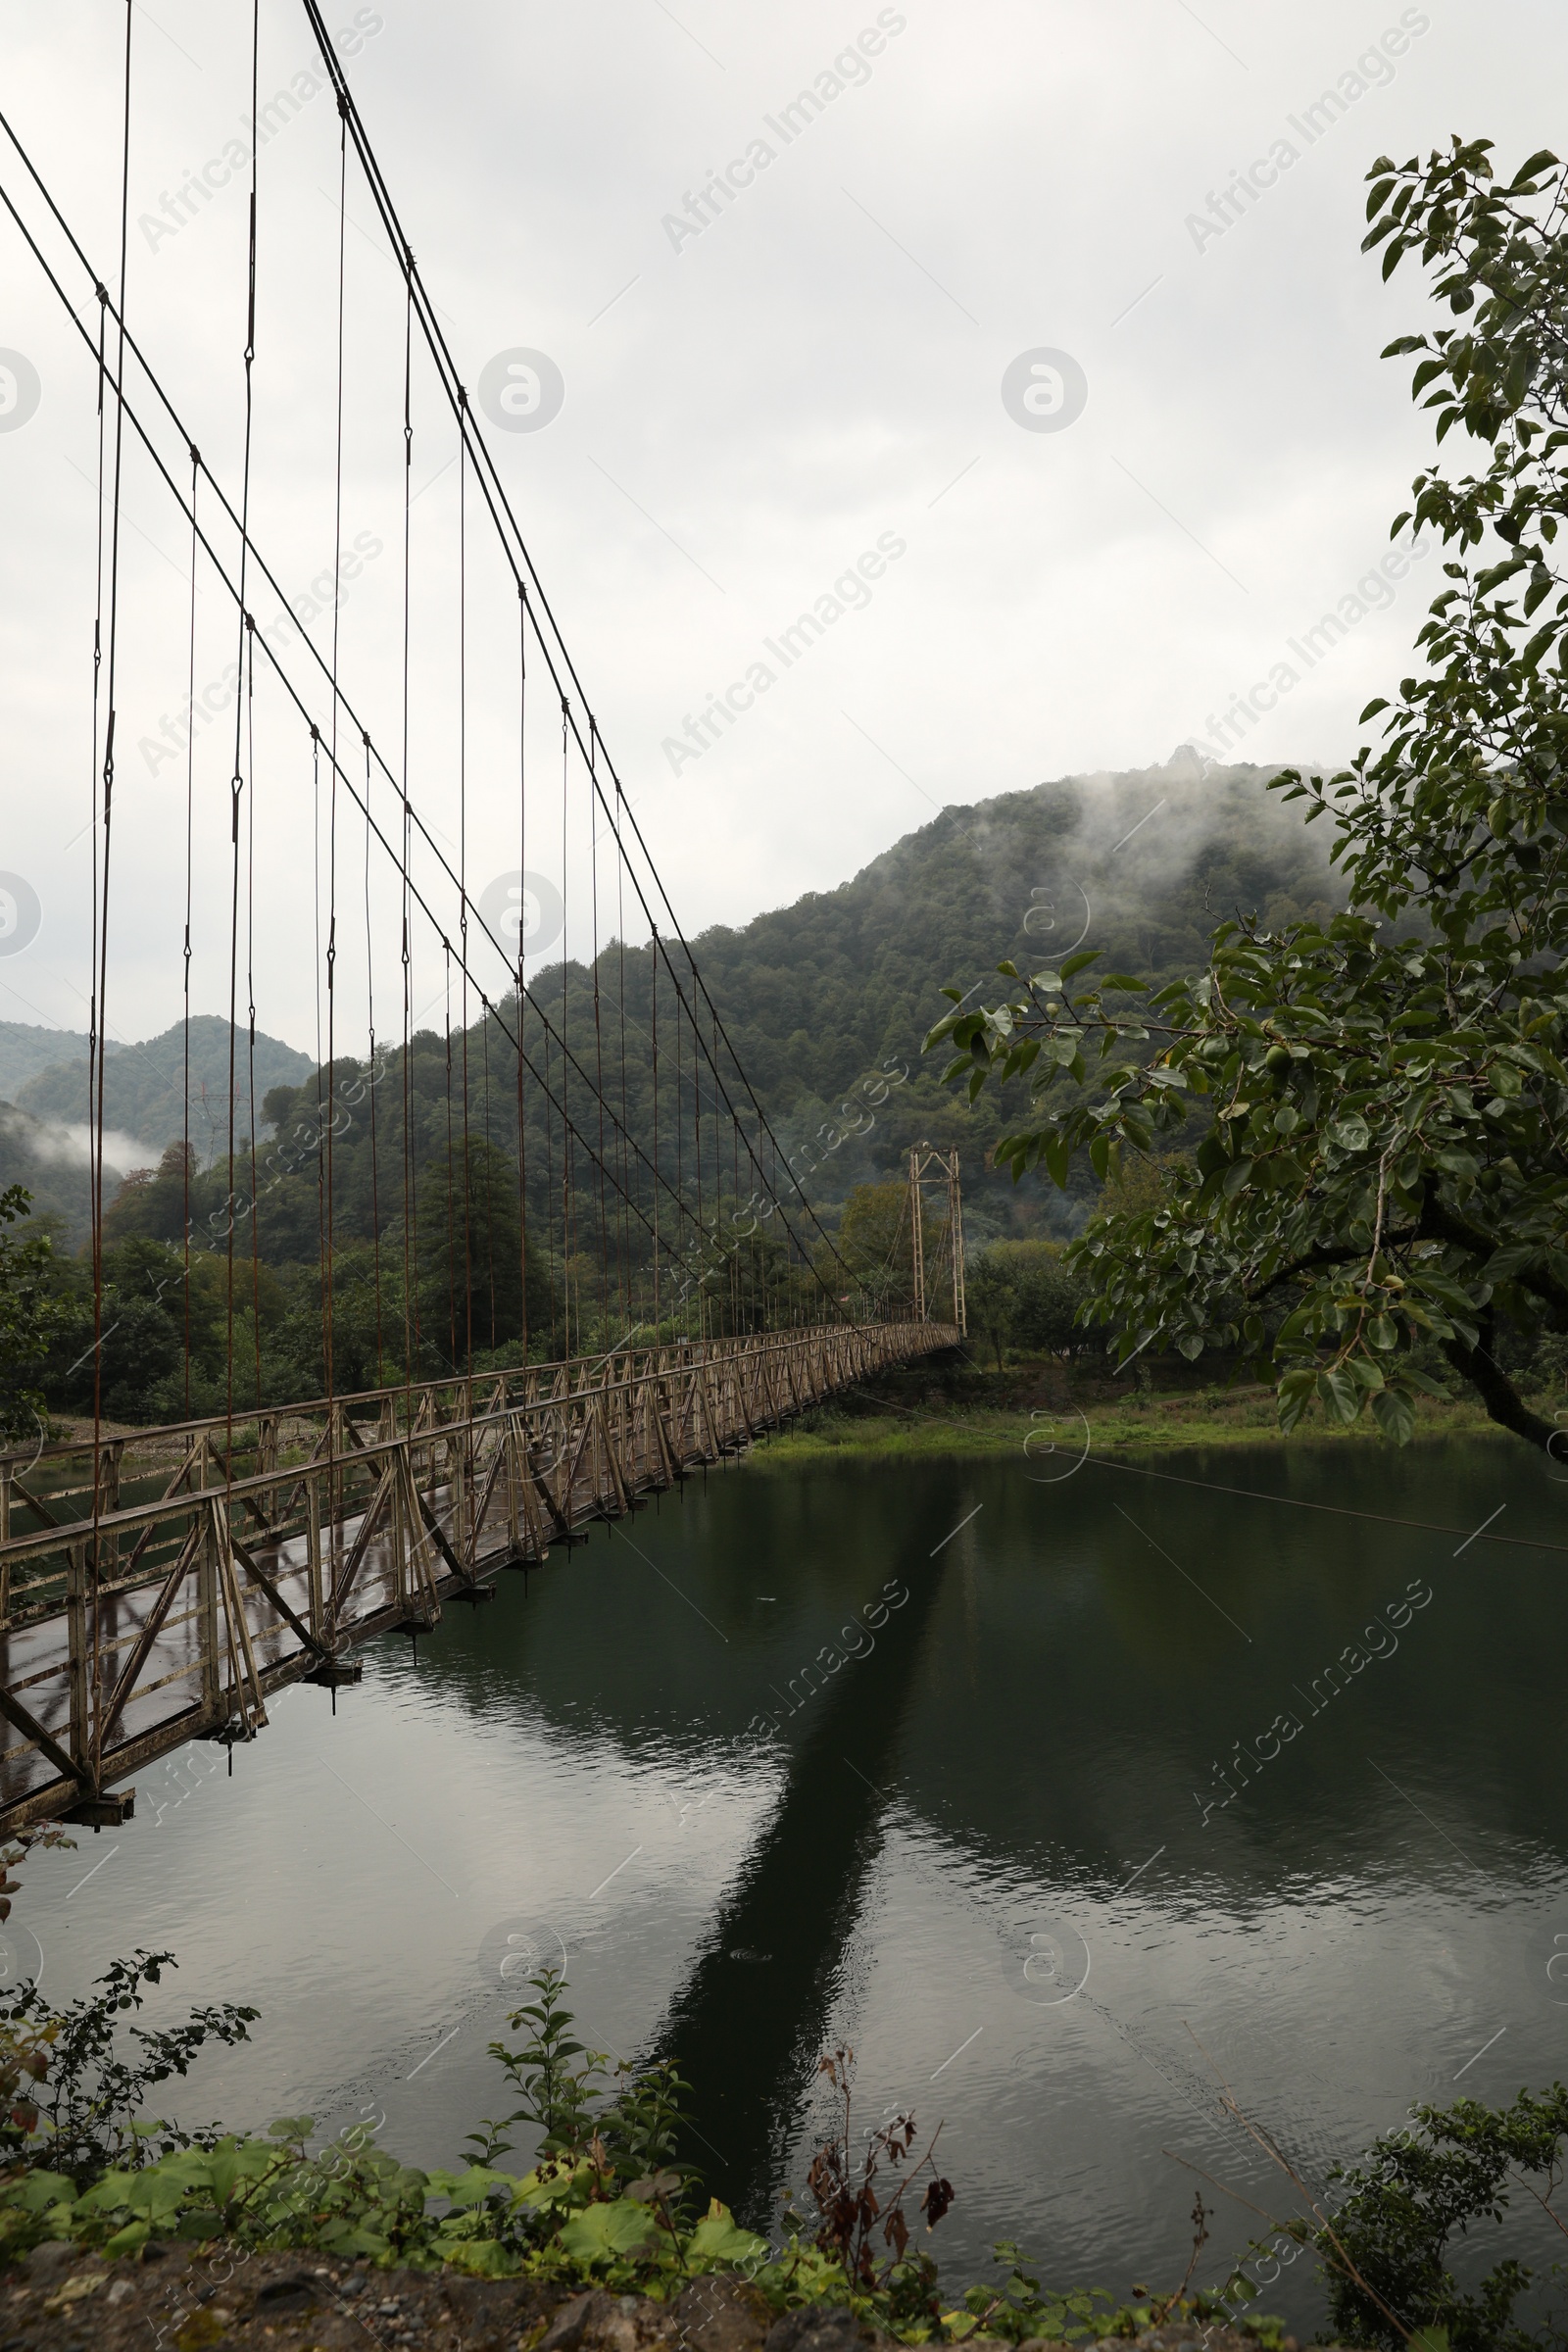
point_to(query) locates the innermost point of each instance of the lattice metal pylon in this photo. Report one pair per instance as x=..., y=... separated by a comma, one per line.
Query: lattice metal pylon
x=926, y=1158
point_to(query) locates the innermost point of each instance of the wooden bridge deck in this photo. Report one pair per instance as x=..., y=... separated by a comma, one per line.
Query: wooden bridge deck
x=162, y=1591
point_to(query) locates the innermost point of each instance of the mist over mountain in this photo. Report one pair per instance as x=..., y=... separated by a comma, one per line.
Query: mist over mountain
x=46, y=1112
x=1143, y=864
x=144, y=1083
x=826, y=1002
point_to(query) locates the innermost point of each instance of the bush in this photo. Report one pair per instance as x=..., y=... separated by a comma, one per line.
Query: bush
x=1022, y=1294
x=605, y=2205
x=1386, y=2251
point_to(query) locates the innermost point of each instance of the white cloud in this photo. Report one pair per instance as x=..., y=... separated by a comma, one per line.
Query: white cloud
x=821, y=364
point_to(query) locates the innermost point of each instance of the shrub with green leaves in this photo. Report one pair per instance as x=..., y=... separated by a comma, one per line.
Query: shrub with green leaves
x=1387, y=2249
x=606, y=2204
x=1381, y=1096
x=82, y=2114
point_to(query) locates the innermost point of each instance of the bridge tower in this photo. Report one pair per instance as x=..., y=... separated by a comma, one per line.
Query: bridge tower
x=927, y=1163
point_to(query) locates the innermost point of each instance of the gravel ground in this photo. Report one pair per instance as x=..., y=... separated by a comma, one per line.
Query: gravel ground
x=182, y=2298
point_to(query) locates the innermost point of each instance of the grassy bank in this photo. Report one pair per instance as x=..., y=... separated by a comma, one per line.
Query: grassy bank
x=963, y=1410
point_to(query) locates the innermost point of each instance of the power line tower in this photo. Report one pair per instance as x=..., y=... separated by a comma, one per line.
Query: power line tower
x=926, y=1160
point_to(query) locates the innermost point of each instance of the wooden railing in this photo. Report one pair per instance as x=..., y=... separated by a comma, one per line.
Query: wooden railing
x=157, y=1588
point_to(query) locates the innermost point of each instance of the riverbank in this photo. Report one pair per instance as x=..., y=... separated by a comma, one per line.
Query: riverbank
x=225, y=2294
x=1051, y=1409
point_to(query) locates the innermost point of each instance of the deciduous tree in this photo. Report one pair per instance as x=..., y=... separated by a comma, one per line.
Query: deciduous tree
x=1383, y=1096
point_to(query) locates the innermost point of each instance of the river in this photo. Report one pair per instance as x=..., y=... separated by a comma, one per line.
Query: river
x=939, y=1761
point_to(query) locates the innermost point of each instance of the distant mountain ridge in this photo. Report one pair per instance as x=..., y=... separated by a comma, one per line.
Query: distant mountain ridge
x=27, y=1048
x=826, y=1000
x=143, y=1083
x=46, y=1115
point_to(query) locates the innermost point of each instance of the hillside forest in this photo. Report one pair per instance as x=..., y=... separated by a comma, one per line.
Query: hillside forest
x=826, y=1002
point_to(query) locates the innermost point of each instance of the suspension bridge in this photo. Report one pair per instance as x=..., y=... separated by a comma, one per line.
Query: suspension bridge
x=563, y=1235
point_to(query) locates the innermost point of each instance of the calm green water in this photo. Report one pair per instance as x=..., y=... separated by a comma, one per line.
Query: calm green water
x=992, y=1850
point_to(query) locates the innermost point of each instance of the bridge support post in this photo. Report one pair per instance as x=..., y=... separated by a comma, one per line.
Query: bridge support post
x=325, y=1634
x=462, y=1496
x=207, y=1615
x=514, y=1488
x=76, y=1662
x=398, y=1528
x=336, y=1448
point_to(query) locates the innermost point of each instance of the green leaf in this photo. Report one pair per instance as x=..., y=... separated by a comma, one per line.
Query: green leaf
x=1295, y=1391
x=1395, y=1413
x=472, y=2186
x=111, y=2195
x=485, y=2257
x=38, y=2192
x=720, y=2238
x=1081, y=962
x=1340, y=1396
x=1541, y=161
x=128, y=2241
x=602, y=2233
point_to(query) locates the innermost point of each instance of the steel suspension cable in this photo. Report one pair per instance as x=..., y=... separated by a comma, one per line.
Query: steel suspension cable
x=190, y=821
x=411, y=816
x=374, y=1080
x=523, y=910
x=329, y=1297
x=250, y=1000
x=462, y=887
x=495, y=498
x=237, y=781
x=411, y=819
x=409, y=1302
x=98, y=1033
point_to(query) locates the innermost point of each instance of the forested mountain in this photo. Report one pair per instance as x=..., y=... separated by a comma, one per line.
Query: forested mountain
x=143, y=1083
x=1143, y=864
x=26, y=1049
x=826, y=1003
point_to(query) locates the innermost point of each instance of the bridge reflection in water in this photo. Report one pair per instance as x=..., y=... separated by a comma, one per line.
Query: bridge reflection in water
x=160, y=1590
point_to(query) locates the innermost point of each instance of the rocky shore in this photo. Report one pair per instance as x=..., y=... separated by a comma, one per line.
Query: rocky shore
x=183, y=2298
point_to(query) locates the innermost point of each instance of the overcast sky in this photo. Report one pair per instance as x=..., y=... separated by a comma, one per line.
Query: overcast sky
x=976, y=309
